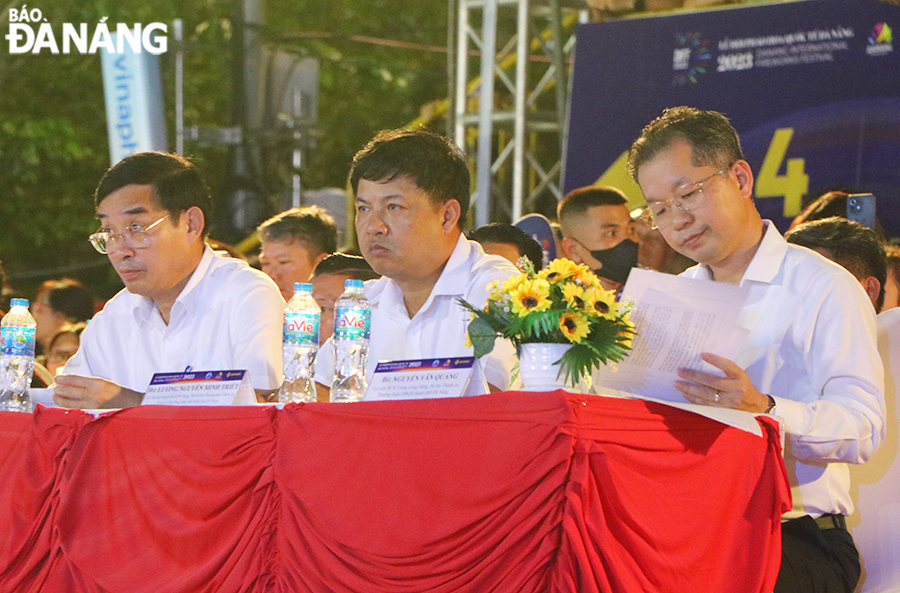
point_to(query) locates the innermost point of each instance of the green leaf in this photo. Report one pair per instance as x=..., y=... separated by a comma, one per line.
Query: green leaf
x=482, y=336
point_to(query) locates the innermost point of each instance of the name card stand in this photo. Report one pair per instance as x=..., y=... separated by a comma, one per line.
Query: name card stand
x=425, y=379
x=204, y=388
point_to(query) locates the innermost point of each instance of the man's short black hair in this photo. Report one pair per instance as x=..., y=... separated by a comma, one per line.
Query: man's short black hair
x=352, y=266
x=311, y=225
x=578, y=201
x=176, y=182
x=855, y=247
x=712, y=138
x=498, y=232
x=436, y=165
x=69, y=297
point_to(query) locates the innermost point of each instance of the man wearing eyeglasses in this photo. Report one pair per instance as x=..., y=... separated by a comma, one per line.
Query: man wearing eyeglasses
x=811, y=356
x=183, y=307
x=598, y=231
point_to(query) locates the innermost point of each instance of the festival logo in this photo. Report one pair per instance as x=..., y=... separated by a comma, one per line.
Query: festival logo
x=690, y=59
x=880, y=41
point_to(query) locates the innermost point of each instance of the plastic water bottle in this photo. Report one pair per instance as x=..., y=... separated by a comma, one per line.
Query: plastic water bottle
x=352, y=320
x=300, y=346
x=16, y=357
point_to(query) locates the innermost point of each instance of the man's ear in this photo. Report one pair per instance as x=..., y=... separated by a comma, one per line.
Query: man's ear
x=744, y=175
x=569, y=247
x=450, y=213
x=873, y=289
x=195, y=221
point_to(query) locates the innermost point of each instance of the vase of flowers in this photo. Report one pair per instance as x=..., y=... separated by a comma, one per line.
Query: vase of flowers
x=561, y=321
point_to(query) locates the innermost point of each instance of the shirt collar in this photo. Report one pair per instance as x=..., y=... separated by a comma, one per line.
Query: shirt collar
x=144, y=307
x=767, y=262
x=452, y=281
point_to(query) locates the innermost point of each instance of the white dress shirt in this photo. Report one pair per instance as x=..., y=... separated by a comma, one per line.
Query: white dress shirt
x=812, y=347
x=229, y=316
x=438, y=329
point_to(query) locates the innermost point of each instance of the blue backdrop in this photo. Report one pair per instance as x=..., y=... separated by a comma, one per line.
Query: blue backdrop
x=812, y=87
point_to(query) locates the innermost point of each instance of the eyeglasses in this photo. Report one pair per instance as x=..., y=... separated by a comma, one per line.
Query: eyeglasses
x=688, y=197
x=135, y=234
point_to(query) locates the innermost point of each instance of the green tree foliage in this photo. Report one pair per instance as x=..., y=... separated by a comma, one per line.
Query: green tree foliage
x=53, y=139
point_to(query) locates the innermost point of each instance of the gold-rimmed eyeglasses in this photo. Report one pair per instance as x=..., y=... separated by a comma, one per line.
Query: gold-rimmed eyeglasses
x=688, y=197
x=135, y=234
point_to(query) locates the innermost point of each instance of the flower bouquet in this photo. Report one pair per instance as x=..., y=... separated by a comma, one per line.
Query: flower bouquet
x=562, y=304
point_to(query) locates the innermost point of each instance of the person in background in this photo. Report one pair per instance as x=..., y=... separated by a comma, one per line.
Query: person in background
x=5, y=290
x=810, y=356
x=183, y=307
x=328, y=285
x=293, y=242
x=509, y=242
x=598, y=231
x=58, y=304
x=654, y=253
x=411, y=190
x=892, y=281
x=63, y=346
x=852, y=246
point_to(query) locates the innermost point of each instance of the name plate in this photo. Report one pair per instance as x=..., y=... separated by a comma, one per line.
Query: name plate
x=201, y=388
x=421, y=379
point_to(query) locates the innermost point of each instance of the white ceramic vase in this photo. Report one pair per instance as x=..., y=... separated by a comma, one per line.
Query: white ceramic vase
x=537, y=368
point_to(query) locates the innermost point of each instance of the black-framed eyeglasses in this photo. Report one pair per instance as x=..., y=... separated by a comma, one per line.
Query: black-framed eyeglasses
x=688, y=197
x=135, y=234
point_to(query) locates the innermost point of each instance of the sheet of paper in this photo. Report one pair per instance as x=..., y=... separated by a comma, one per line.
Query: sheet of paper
x=200, y=388
x=676, y=319
x=421, y=379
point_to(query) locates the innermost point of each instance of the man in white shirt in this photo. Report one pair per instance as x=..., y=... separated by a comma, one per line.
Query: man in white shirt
x=412, y=191
x=811, y=357
x=183, y=307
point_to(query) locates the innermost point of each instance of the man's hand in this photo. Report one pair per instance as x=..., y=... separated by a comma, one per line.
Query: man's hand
x=734, y=390
x=77, y=391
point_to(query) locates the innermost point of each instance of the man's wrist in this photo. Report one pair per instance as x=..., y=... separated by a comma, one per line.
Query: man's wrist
x=770, y=405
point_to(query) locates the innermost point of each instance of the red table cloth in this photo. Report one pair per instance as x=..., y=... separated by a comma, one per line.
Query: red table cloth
x=510, y=492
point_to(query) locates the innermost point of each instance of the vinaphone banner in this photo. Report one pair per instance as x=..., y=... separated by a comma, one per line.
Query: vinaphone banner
x=812, y=87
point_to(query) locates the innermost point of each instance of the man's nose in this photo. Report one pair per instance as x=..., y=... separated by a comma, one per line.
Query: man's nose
x=680, y=217
x=374, y=225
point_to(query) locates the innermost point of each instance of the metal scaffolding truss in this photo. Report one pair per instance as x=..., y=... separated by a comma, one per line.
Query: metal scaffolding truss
x=512, y=117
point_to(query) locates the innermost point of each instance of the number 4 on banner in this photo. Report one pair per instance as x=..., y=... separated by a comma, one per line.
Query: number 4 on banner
x=793, y=185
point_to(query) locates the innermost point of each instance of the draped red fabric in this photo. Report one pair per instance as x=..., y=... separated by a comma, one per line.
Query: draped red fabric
x=511, y=492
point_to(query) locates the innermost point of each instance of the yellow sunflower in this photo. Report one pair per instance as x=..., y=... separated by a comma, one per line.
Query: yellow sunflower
x=512, y=284
x=531, y=295
x=585, y=276
x=625, y=337
x=574, y=295
x=601, y=302
x=558, y=270
x=574, y=326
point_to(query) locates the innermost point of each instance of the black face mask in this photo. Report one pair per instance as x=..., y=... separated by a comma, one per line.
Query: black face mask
x=617, y=261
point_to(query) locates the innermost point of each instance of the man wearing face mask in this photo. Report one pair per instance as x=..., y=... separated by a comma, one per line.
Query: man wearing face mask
x=598, y=232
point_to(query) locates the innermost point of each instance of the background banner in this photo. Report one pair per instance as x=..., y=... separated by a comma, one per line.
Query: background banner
x=813, y=88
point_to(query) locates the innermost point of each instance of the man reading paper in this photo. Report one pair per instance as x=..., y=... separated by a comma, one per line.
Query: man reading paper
x=411, y=189
x=183, y=307
x=811, y=357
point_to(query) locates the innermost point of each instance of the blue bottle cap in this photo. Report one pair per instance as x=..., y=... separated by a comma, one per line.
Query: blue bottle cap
x=18, y=303
x=353, y=283
x=302, y=287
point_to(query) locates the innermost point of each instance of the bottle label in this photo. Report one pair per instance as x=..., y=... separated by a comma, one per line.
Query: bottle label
x=301, y=328
x=17, y=341
x=351, y=324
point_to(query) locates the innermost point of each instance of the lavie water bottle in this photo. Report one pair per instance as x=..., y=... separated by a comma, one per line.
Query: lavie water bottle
x=16, y=357
x=300, y=346
x=352, y=319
